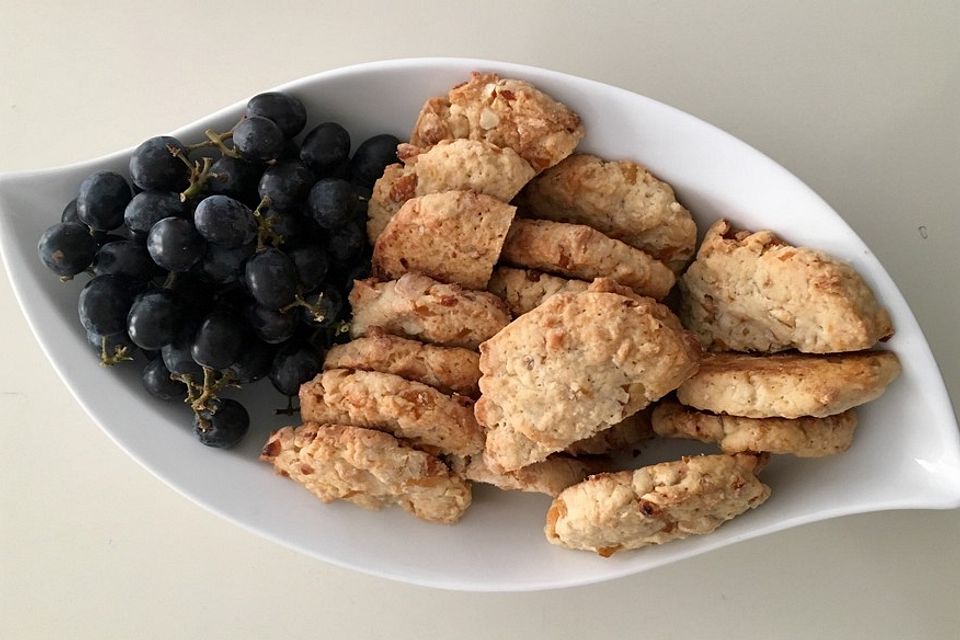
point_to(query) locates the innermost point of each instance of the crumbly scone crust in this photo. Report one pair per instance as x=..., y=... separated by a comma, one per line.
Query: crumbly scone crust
x=804, y=437
x=609, y=512
x=368, y=468
x=525, y=289
x=504, y=112
x=578, y=251
x=621, y=199
x=574, y=366
x=551, y=476
x=428, y=419
x=626, y=435
x=753, y=292
x=788, y=385
x=453, y=237
x=449, y=369
x=419, y=307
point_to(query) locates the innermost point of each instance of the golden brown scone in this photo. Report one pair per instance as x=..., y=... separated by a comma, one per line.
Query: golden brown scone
x=572, y=367
x=412, y=411
x=451, y=165
x=551, y=476
x=504, y=112
x=368, y=468
x=787, y=385
x=449, y=369
x=524, y=289
x=621, y=199
x=631, y=509
x=577, y=251
x=453, y=237
x=753, y=292
x=624, y=436
x=804, y=437
x=419, y=307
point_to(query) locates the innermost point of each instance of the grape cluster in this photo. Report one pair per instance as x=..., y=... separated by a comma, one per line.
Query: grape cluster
x=226, y=261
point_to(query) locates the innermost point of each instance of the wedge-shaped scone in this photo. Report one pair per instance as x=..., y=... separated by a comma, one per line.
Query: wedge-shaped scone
x=453, y=237
x=574, y=366
x=412, y=411
x=524, y=289
x=419, y=307
x=551, y=476
x=451, y=165
x=787, y=385
x=368, y=468
x=623, y=437
x=504, y=112
x=621, y=199
x=449, y=369
x=804, y=437
x=578, y=251
x=652, y=505
x=753, y=292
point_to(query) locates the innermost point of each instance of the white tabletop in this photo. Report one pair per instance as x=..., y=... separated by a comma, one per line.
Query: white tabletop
x=860, y=100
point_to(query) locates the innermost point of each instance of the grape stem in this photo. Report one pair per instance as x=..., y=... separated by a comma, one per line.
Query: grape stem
x=217, y=140
x=120, y=354
x=265, y=232
x=289, y=410
x=201, y=395
x=313, y=310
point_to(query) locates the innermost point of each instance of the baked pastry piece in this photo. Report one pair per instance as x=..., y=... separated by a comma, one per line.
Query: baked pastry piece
x=753, y=292
x=412, y=411
x=578, y=251
x=623, y=437
x=788, y=385
x=804, y=437
x=467, y=165
x=504, y=112
x=621, y=199
x=368, y=468
x=574, y=366
x=652, y=505
x=449, y=369
x=551, y=476
x=453, y=237
x=524, y=289
x=419, y=307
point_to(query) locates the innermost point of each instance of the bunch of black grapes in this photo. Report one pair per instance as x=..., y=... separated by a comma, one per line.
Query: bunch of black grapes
x=228, y=261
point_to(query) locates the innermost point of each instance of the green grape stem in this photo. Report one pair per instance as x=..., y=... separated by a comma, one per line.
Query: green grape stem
x=120, y=354
x=266, y=236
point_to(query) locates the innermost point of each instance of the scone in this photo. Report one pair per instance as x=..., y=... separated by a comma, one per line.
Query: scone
x=409, y=410
x=449, y=369
x=504, y=112
x=551, y=476
x=451, y=165
x=621, y=199
x=453, y=237
x=788, y=385
x=753, y=292
x=804, y=437
x=578, y=251
x=652, y=505
x=623, y=437
x=525, y=289
x=574, y=366
x=416, y=306
x=368, y=468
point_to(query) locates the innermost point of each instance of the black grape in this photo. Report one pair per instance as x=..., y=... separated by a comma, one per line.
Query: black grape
x=312, y=265
x=286, y=184
x=326, y=148
x=223, y=425
x=150, y=207
x=236, y=178
x=67, y=248
x=104, y=304
x=127, y=258
x=270, y=325
x=293, y=365
x=156, y=380
x=152, y=166
x=254, y=362
x=257, y=138
x=102, y=200
x=372, y=157
x=332, y=202
x=286, y=111
x=174, y=244
x=225, y=221
x=155, y=318
x=218, y=341
x=271, y=278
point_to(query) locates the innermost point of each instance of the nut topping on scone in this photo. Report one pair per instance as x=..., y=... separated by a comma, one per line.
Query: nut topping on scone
x=753, y=292
x=368, y=468
x=631, y=509
x=574, y=366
